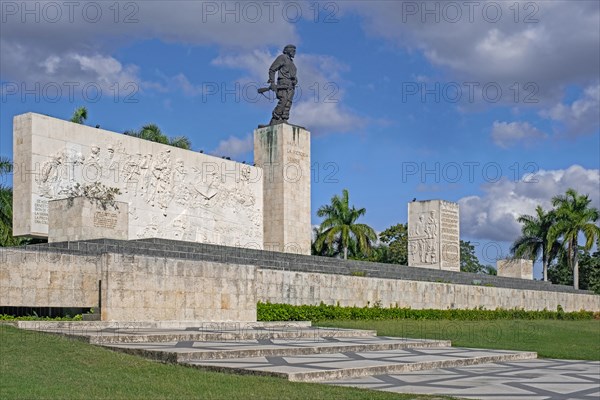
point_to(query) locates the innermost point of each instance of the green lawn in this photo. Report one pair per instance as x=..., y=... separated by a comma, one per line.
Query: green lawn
x=35, y=365
x=576, y=340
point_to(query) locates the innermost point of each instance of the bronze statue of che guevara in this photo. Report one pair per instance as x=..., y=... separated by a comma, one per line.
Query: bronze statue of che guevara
x=285, y=86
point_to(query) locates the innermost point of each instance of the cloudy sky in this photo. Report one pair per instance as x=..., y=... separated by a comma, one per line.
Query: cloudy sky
x=494, y=105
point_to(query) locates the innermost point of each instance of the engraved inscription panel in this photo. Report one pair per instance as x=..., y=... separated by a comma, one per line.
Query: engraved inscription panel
x=105, y=219
x=40, y=215
x=450, y=235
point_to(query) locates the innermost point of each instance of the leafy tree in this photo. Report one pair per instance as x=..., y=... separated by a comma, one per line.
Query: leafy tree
x=339, y=231
x=574, y=216
x=469, y=261
x=79, y=115
x=589, y=270
x=396, y=239
x=153, y=133
x=589, y=265
x=534, y=241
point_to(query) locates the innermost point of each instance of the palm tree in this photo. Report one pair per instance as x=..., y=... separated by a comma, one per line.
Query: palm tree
x=182, y=142
x=153, y=133
x=79, y=115
x=533, y=242
x=339, y=229
x=574, y=216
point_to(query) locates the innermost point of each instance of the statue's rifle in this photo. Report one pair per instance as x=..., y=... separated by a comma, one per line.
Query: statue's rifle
x=263, y=90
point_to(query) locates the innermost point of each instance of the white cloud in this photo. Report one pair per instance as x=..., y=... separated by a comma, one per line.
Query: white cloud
x=234, y=146
x=73, y=49
x=551, y=43
x=505, y=134
x=325, y=117
x=580, y=117
x=493, y=215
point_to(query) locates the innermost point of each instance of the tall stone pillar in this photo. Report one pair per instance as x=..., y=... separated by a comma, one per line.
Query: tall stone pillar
x=283, y=152
x=433, y=235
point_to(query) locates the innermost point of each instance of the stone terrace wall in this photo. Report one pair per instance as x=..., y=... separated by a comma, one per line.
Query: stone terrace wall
x=134, y=287
x=33, y=278
x=157, y=279
x=299, y=288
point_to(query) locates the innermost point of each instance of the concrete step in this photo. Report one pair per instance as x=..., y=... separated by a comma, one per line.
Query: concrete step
x=322, y=367
x=200, y=350
x=105, y=334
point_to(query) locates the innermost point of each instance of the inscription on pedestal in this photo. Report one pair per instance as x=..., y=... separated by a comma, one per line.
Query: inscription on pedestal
x=105, y=219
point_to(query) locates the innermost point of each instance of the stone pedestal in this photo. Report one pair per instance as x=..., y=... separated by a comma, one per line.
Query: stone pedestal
x=515, y=268
x=80, y=218
x=283, y=152
x=433, y=235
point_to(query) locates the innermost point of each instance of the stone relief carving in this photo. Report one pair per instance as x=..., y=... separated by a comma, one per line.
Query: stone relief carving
x=184, y=202
x=424, y=239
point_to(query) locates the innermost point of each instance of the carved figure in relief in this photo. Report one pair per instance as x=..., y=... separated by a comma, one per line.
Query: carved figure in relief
x=180, y=191
x=50, y=176
x=160, y=181
x=431, y=232
x=110, y=163
x=131, y=173
x=145, y=165
x=94, y=156
x=91, y=166
x=424, y=239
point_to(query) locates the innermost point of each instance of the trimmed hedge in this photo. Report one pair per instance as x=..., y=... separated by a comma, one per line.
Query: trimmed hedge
x=6, y=317
x=323, y=312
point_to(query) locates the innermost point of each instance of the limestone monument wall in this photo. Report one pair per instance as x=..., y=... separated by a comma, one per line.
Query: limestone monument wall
x=133, y=287
x=172, y=193
x=433, y=235
x=283, y=152
x=515, y=268
x=29, y=278
x=298, y=288
x=138, y=287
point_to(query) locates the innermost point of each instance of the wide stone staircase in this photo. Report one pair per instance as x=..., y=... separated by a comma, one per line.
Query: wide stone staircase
x=294, y=351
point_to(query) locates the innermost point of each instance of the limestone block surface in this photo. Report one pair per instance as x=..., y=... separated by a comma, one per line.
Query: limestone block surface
x=515, y=268
x=434, y=235
x=82, y=218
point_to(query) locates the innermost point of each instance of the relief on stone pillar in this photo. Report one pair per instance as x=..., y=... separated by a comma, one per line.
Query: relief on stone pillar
x=423, y=243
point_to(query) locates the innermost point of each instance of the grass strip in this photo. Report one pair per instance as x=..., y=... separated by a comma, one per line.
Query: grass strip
x=575, y=340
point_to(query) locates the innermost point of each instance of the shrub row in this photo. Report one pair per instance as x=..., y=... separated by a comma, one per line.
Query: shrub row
x=6, y=317
x=322, y=312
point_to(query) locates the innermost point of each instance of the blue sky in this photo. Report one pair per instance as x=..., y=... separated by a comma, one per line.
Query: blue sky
x=494, y=105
